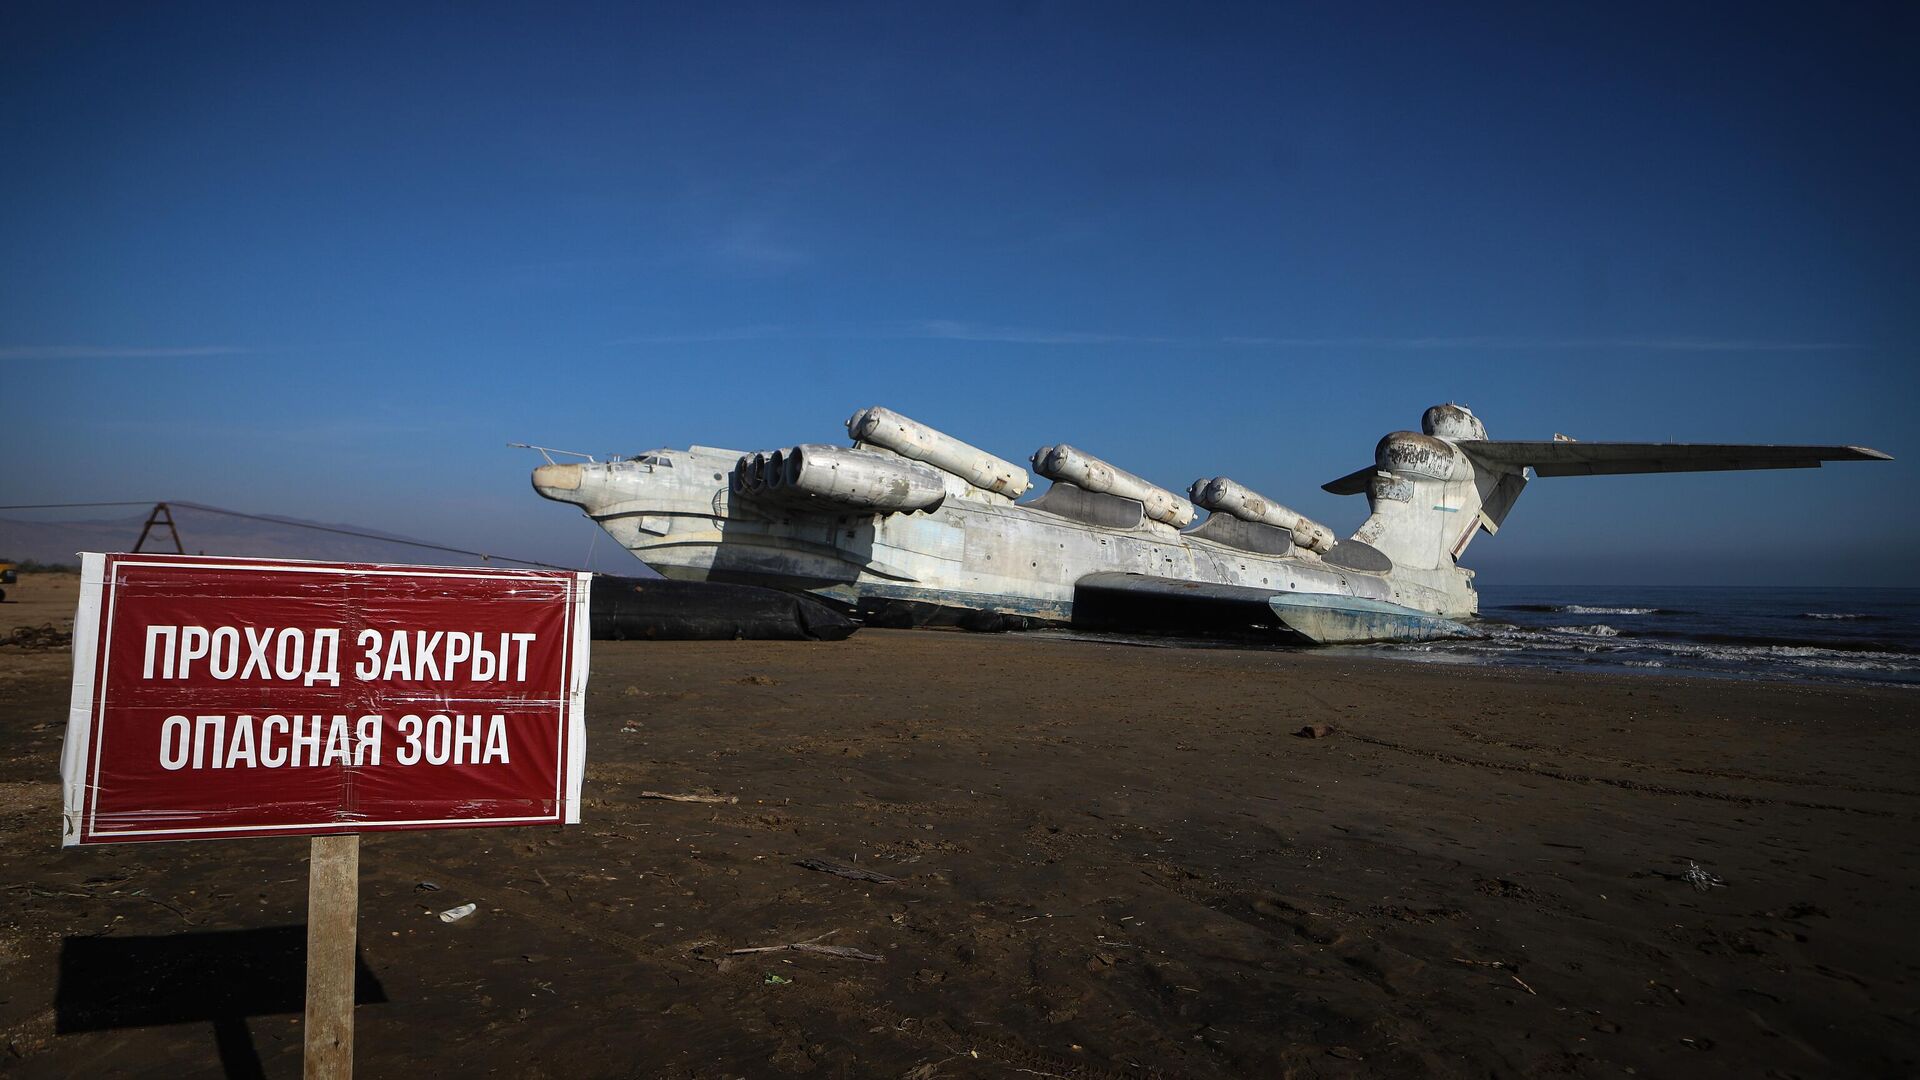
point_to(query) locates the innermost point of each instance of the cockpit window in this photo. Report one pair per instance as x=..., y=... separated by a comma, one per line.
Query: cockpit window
x=656, y=459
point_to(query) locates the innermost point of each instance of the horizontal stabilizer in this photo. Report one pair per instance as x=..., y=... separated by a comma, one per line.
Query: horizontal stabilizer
x=1354, y=483
x=1568, y=458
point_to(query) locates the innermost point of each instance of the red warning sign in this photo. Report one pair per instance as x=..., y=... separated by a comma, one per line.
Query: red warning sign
x=225, y=697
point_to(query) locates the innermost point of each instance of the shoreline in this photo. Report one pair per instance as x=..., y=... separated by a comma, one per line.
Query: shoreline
x=1437, y=658
x=49, y=598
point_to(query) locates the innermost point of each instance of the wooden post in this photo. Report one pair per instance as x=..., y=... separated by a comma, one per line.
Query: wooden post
x=333, y=916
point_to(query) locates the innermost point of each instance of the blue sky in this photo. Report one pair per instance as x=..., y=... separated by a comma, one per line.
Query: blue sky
x=327, y=261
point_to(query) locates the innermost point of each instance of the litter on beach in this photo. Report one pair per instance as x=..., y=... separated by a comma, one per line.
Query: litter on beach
x=828, y=866
x=1697, y=877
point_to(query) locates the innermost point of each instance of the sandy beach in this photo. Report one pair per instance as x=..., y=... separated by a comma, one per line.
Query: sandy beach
x=1079, y=859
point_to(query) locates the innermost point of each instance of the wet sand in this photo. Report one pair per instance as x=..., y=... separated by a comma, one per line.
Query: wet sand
x=1111, y=861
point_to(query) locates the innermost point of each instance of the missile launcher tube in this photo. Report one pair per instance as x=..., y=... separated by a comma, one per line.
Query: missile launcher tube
x=910, y=439
x=1225, y=496
x=1067, y=465
x=851, y=479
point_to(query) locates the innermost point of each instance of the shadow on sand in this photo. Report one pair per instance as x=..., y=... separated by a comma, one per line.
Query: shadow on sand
x=222, y=976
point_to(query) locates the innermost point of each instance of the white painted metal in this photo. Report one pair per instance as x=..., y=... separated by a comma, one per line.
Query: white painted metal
x=1428, y=501
x=987, y=555
x=1067, y=465
x=1452, y=422
x=889, y=430
x=1224, y=496
x=863, y=525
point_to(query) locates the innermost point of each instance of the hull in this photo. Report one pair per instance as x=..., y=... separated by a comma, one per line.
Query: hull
x=975, y=552
x=1129, y=601
x=1334, y=620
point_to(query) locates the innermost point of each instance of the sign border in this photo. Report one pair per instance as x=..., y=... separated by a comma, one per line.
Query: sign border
x=80, y=753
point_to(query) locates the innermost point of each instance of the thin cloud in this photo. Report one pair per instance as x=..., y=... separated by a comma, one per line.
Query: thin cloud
x=928, y=330
x=1712, y=345
x=751, y=246
x=950, y=330
x=958, y=330
x=734, y=333
x=116, y=352
x=1656, y=344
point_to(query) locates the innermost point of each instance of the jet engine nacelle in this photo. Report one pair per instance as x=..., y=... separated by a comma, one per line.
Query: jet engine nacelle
x=1224, y=496
x=1067, y=465
x=849, y=479
x=910, y=439
x=1454, y=422
x=1411, y=454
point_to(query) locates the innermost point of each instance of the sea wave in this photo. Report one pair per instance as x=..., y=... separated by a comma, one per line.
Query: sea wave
x=1836, y=615
x=1591, y=609
x=1596, y=630
x=1744, y=655
x=1585, y=609
x=1769, y=641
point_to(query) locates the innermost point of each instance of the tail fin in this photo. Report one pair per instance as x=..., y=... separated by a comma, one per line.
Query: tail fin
x=1431, y=492
x=1428, y=499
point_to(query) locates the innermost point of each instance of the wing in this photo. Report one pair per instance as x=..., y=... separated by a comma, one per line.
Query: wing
x=1562, y=458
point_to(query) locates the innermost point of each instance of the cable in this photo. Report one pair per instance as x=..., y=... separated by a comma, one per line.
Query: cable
x=204, y=508
x=369, y=536
x=63, y=506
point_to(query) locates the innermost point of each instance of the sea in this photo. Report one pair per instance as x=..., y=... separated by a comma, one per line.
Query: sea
x=1840, y=635
x=1823, y=635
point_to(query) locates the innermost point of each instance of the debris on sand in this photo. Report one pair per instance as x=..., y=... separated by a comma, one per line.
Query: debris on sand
x=455, y=914
x=726, y=799
x=828, y=866
x=812, y=945
x=1315, y=731
x=1702, y=881
x=44, y=636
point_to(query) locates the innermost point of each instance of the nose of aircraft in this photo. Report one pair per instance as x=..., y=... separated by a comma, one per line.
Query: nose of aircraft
x=560, y=483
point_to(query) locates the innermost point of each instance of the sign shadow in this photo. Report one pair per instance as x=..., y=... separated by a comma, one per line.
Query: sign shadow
x=218, y=976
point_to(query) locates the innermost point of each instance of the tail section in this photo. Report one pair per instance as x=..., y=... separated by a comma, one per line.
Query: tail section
x=1427, y=495
x=1430, y=492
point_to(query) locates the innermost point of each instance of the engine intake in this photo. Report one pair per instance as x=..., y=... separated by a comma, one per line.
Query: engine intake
x=849, y=479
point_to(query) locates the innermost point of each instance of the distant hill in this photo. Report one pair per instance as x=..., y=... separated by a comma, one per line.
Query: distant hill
x=212, y=534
